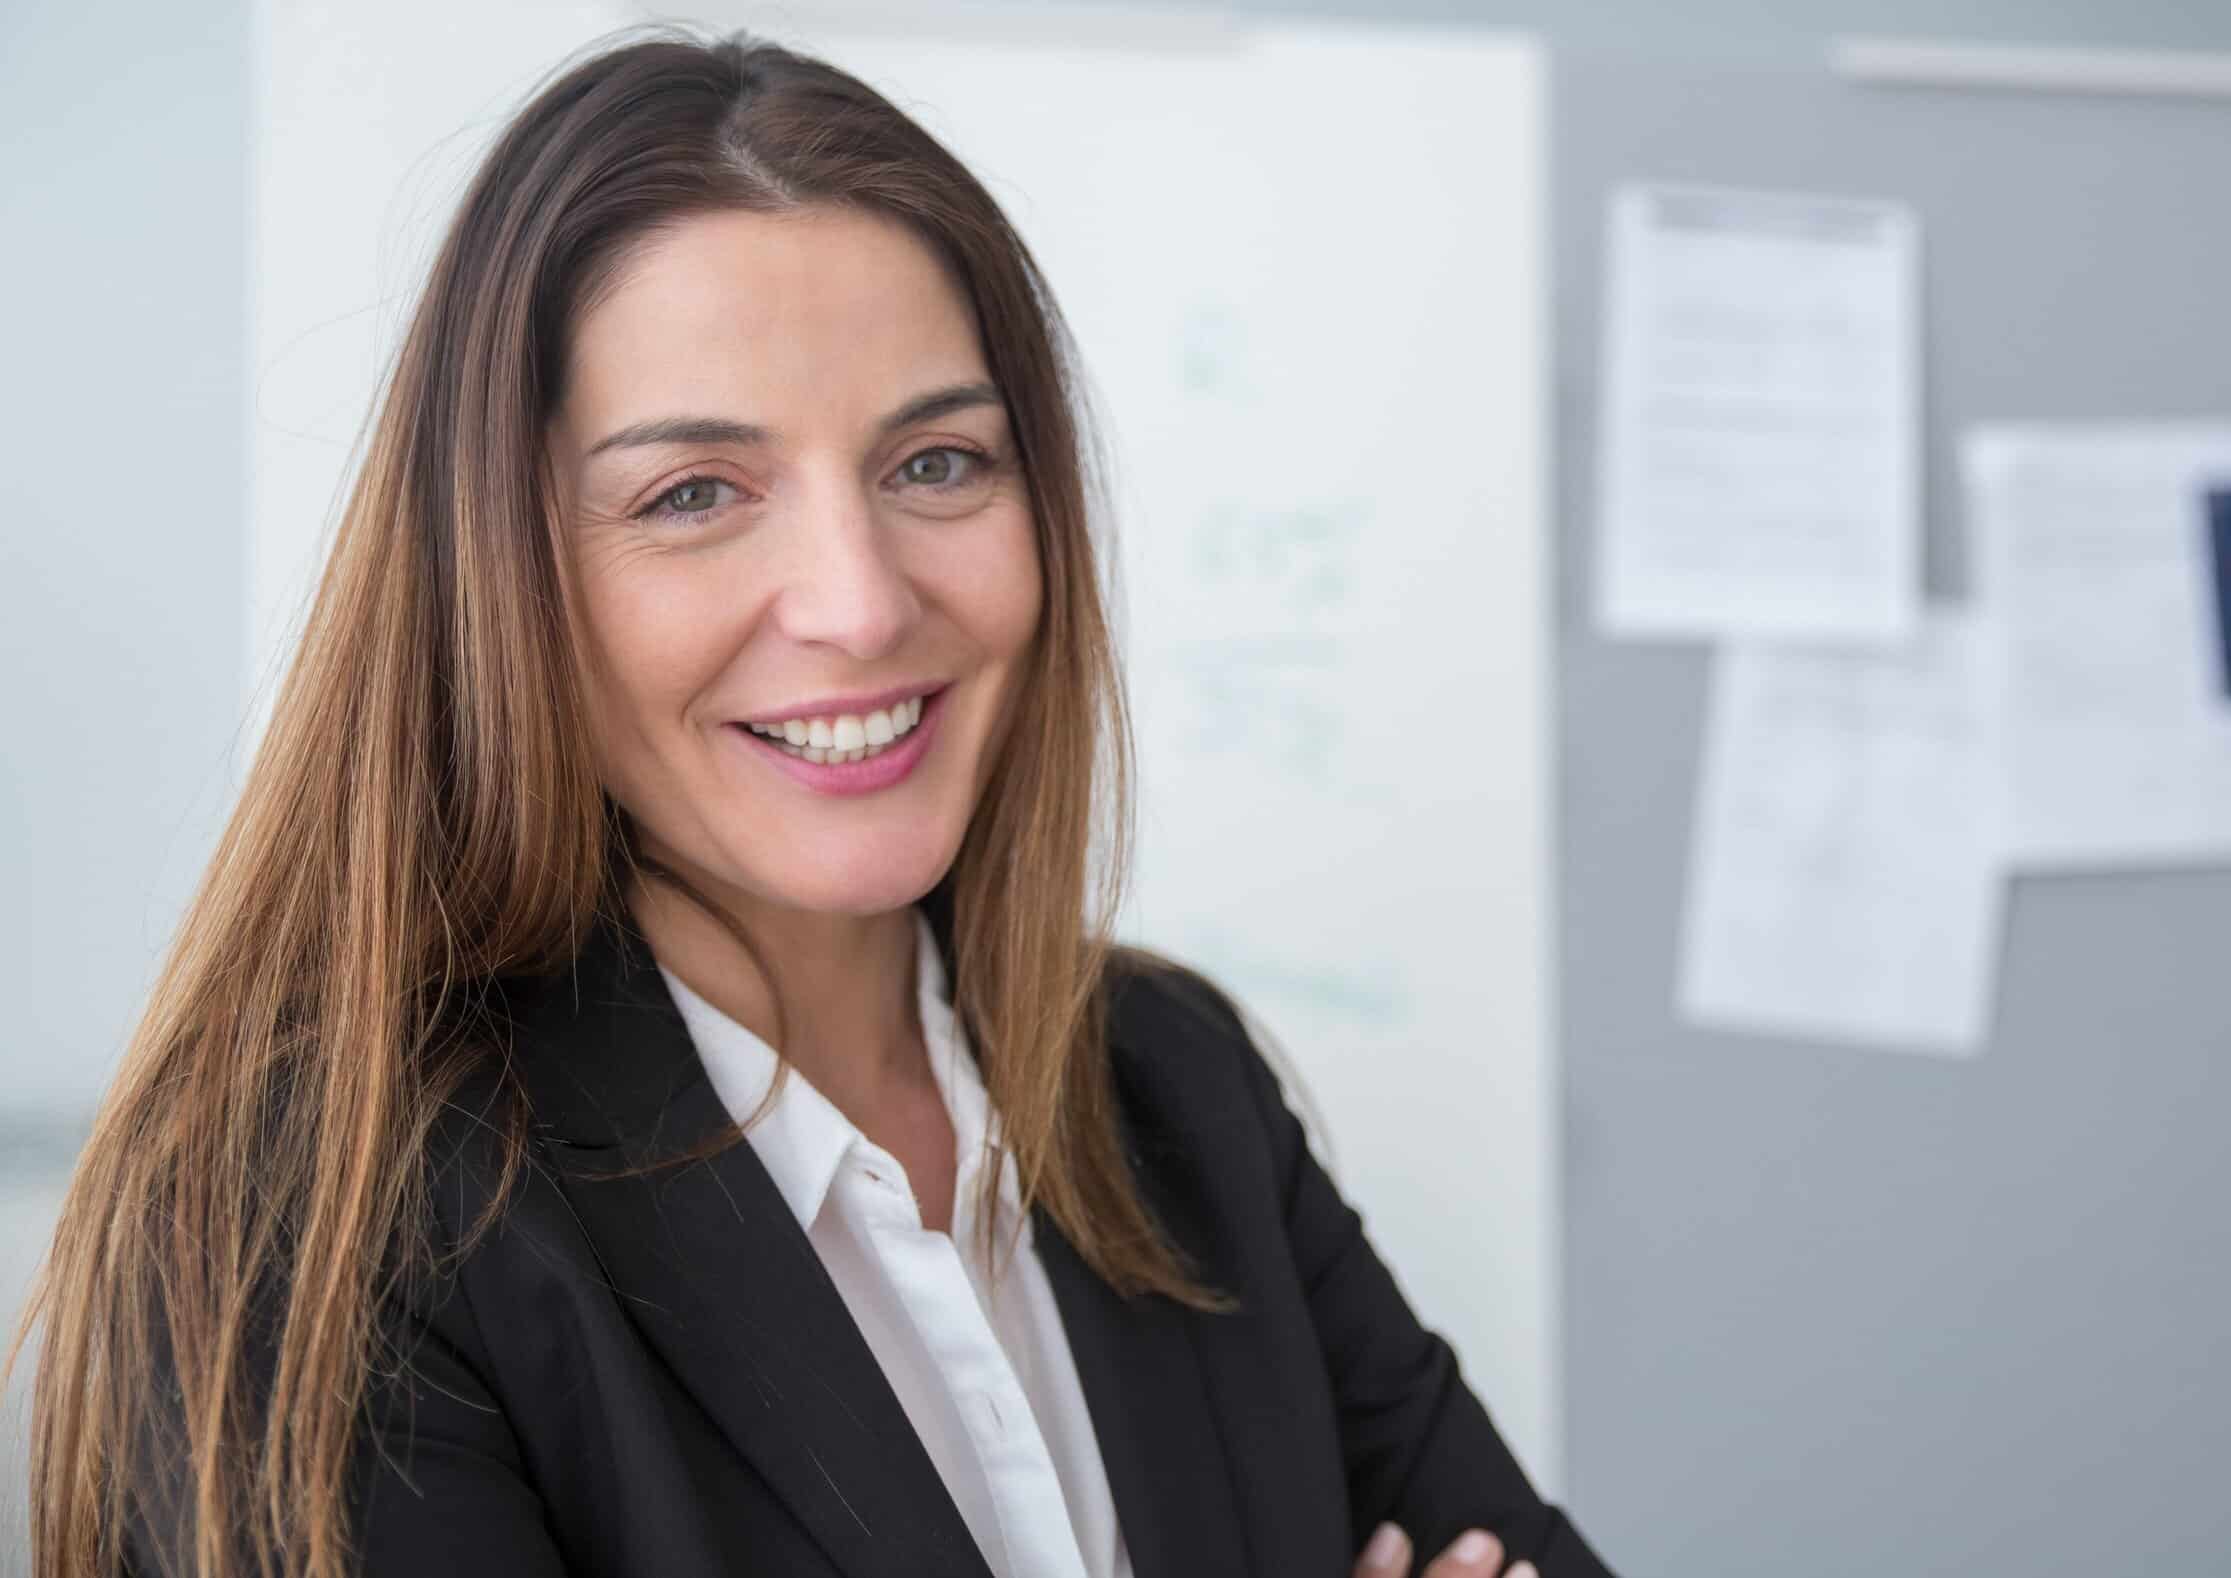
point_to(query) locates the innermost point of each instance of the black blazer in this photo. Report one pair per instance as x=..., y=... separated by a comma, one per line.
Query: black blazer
x=655, y=1376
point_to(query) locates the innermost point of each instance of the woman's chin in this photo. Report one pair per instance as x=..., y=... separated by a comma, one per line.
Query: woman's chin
x=867, y=887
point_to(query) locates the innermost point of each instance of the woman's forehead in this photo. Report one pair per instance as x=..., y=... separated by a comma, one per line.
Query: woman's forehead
x=754, y=314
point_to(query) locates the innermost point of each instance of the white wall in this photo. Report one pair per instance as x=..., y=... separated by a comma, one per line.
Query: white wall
x=368, y=118
x=120, y=394
x=123, y=182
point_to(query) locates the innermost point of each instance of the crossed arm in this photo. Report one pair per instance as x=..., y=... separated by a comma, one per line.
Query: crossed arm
x=1420, y=1451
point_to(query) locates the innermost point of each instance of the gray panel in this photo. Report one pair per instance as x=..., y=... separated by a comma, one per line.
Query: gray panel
x=1833, y=1312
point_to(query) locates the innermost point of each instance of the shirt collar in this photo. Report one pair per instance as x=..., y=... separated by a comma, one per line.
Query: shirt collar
x=976, y=1135
x=803, y=1139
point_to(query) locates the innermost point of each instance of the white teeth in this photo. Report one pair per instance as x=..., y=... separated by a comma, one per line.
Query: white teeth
x=848, y=737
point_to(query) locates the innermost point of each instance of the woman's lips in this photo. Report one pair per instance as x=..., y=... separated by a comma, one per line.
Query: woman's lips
x=888, y=767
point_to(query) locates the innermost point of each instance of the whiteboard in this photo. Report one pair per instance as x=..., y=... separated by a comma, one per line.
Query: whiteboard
x=1303, y=266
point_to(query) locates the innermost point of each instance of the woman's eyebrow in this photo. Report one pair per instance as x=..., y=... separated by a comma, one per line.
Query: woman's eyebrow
x=719, y=430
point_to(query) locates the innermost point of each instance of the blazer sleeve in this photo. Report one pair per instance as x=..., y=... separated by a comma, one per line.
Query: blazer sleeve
x=1420, y=1449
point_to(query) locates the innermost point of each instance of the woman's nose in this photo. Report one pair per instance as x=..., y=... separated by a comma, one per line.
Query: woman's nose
x=842, y=581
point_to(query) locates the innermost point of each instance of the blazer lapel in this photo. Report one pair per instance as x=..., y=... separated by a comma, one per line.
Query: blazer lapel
x=717, y=1273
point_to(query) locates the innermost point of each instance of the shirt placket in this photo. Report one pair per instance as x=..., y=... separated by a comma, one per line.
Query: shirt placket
x=928, y=1273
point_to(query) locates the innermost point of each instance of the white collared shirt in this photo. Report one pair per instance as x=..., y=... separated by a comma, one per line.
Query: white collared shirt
x=984, y=1373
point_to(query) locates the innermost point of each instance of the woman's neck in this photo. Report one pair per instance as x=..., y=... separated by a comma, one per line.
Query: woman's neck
x=850, y=1022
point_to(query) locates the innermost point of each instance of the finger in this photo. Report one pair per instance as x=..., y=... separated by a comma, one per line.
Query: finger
x=1522, y=1570
x=1473, y=1554
x=1387, y=1556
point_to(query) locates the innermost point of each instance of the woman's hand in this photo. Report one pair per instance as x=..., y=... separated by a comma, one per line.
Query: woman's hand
x=1473, y=1554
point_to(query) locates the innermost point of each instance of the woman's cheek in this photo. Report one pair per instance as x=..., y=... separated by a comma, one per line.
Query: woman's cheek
x=1006, y=583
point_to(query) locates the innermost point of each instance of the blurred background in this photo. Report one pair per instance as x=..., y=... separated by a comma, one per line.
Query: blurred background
x=1672, y=564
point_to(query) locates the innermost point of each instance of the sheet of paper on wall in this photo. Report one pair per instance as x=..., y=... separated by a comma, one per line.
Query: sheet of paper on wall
x=1844, y=873
x=2091, y=548
x=1759, y=474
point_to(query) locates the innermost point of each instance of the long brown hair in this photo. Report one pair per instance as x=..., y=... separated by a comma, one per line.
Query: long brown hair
x=422, y=818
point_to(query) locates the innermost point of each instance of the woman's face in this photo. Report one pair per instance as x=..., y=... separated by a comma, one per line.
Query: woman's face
x=791, y=499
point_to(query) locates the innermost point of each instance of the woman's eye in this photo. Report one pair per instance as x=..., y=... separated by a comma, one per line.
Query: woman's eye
x=943, y=469
x=951, y=466
x=692, y=498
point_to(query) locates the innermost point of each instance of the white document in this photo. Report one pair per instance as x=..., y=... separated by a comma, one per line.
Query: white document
x=2091, y=550
x=1844, y=875
x=1761, y=417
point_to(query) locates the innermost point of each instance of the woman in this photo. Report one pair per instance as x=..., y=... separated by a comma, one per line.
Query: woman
x=711, y=661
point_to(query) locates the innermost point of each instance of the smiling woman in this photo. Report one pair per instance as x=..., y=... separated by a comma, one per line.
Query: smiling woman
x=646, y=1085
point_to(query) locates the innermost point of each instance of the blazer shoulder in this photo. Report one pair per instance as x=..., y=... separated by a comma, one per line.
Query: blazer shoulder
x=1178, y=1038
x=1156, y=1002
